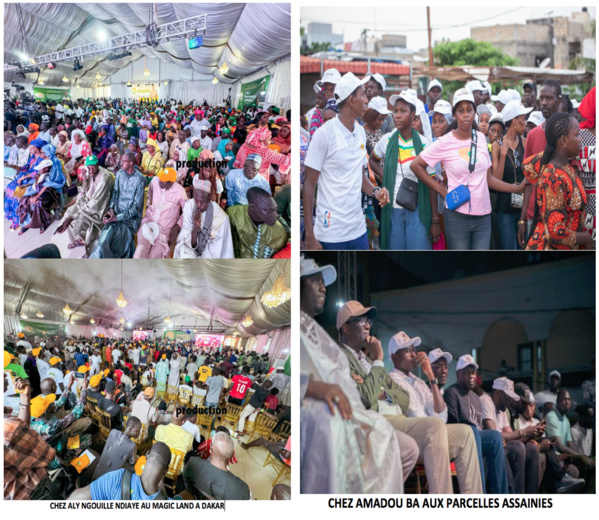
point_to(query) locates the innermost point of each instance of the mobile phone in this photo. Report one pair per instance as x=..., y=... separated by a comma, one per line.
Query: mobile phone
x=79, y=375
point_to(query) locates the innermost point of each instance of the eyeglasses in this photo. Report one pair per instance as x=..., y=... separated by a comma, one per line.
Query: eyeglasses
x=361, y=320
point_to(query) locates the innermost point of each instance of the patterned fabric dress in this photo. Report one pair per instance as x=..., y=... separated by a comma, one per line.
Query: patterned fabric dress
x=561, y=201
x=587, y=167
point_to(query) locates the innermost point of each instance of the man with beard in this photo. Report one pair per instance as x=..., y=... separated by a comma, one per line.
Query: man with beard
x=206, y=229
x=83, y=220
x=550, y=97
x=240, y=181
x=345, y=448
x=337, y=161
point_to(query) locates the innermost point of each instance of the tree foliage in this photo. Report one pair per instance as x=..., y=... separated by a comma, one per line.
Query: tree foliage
x=470, y=52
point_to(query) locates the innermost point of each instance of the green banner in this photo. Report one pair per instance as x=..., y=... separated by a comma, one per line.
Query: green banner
x=50, y=94
x=250, y=92
x=44, y=329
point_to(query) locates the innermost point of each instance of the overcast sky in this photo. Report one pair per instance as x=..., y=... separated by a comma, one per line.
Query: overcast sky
x=447, y=22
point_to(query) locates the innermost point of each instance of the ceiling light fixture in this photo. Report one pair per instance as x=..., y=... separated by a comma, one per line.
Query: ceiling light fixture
x=215, y=80
x=92, y=321
x=65, y=79
x=278, y=294
x=39, y=314
x=247, y=321
x=24, y=316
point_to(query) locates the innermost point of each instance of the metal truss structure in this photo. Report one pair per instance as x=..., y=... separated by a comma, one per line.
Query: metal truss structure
x=173, y=31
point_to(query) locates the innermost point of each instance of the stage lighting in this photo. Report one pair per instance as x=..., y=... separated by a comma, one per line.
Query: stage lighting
x=77, y=65
x=51, y=65
x=196, y=42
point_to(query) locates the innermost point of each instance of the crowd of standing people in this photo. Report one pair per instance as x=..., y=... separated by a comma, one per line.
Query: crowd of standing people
x=456, y=170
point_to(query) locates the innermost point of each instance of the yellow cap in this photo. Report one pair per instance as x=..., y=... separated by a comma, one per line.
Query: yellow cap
x=163, y=356
x=83, y=369
x=36, y=351
x=140, y=465
x=40, y=404
x=167, y=175
x=95, y=380
x=7, y=359
x=54, y=360
x=106, y=372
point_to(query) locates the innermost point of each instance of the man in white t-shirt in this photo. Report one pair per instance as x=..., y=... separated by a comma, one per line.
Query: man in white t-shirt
x=59, y=112
x=135, y=355
x=522, y=455
x=336, y=161
x=116, y=355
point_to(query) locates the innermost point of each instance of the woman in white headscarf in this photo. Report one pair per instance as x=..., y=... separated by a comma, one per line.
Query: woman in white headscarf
x=78, y=151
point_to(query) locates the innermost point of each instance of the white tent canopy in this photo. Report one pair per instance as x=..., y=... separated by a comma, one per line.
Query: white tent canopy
x=224, y=290
x=249, y=38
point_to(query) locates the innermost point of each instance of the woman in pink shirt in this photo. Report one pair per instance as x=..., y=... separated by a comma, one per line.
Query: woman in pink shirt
x=469, y=225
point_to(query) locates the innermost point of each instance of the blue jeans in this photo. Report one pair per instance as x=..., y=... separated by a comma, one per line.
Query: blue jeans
x=357, y=244
x=479, y=449
x=407, y=232
x=466, y=232
x=494, y=456
x=508, y=230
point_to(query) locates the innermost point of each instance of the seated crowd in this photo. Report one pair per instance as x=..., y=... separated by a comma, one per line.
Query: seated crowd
x=467, y=170
x=384, y=431
x=87, y=418
x=152, y=179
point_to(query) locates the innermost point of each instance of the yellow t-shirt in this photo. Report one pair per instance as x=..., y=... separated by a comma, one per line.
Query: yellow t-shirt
x=205, y=373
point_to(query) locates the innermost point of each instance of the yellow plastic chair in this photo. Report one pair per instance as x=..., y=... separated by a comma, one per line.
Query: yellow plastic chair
x=232, y=414
x=281, y=468
x=263, y=426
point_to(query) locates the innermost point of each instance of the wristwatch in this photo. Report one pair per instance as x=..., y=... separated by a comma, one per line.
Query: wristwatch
x=434, y=382
x=375, y=189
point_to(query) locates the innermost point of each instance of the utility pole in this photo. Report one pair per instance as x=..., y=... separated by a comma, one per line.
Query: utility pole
x=430, y=48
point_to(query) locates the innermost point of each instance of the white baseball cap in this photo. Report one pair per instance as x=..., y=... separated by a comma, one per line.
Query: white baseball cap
x=475, y=85
x=484, y=109
x=514, y=94
x=506, y=385
x=514, y=109
x=406, y=95
x=575, y=103
x=434, y=83
x=309, y=267
x=379, y=79
x=379, y=104
x=487, y=86
x=556, y=374
x=329, y=76
x=347, y=84
x=503, y=97
x=497, y=118
x=352, y=309
x=536, y=118
x=436, y=354
x=462, y=94
x=465, y=361
x=44, y=164
x=441, y=107
x=400, y=341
